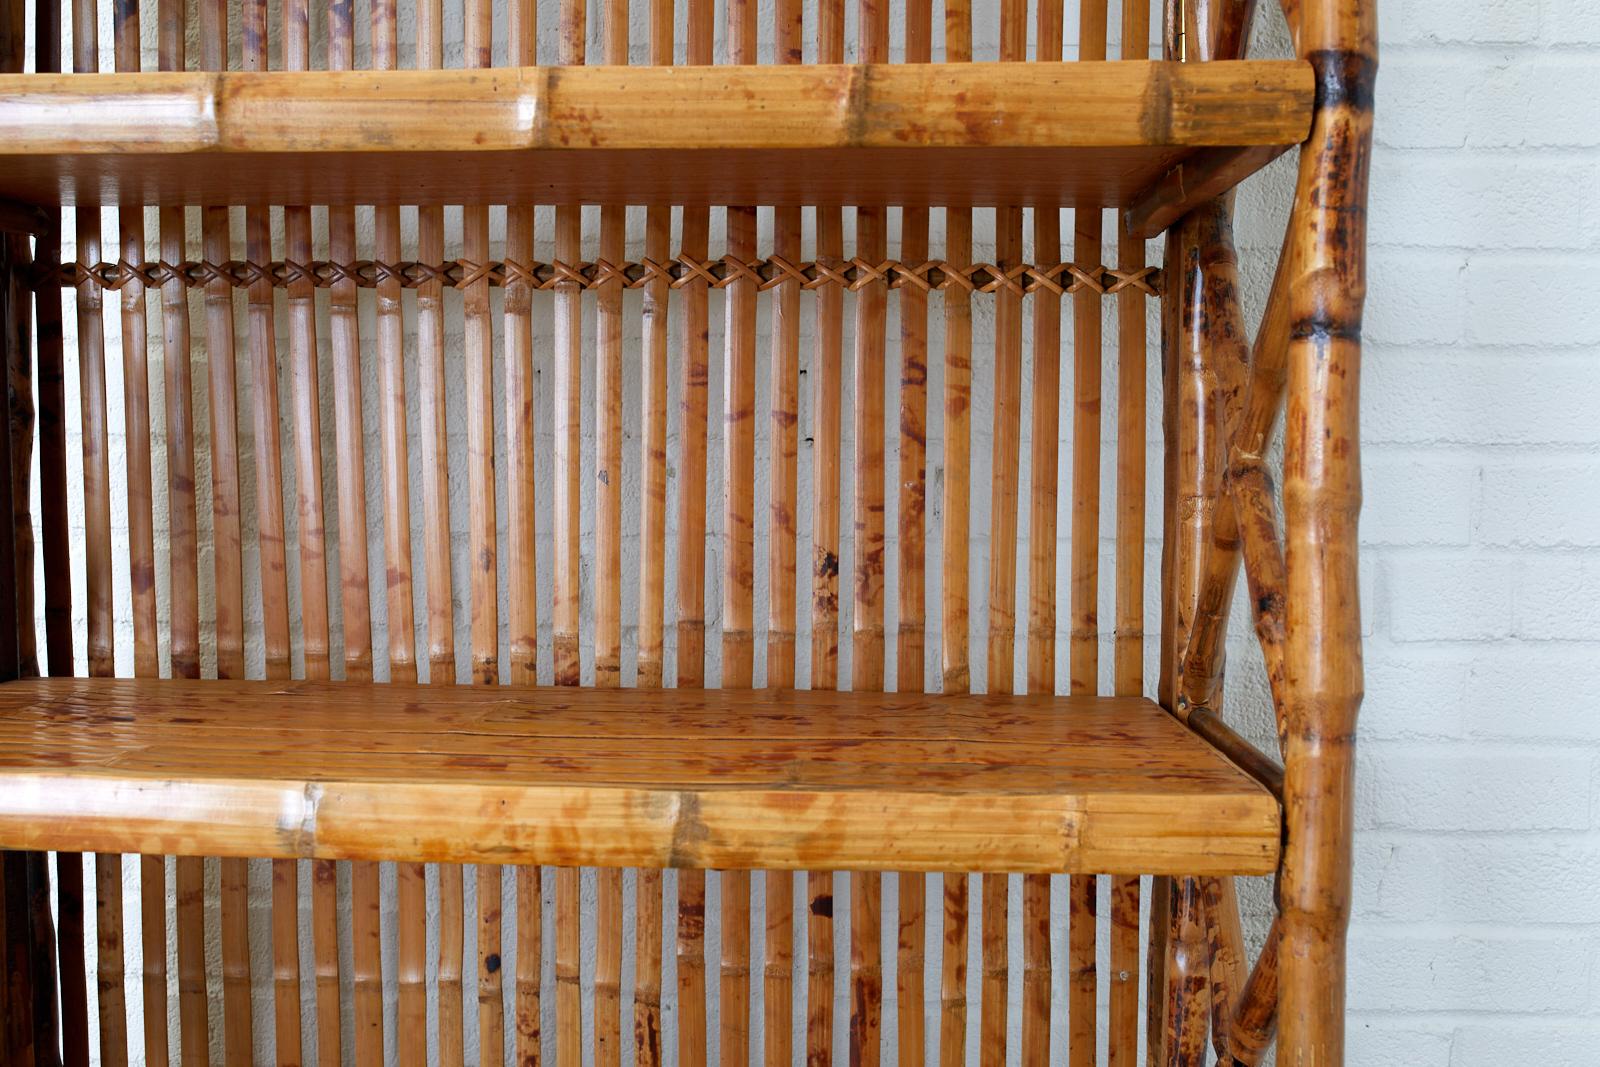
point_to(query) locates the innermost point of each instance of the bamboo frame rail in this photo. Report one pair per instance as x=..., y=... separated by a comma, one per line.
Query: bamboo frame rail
x=928, y=133
x=897, y=163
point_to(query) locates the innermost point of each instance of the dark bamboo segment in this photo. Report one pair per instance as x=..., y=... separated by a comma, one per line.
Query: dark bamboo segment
x=72, y=969
x=1255, y=1015
x=1188, y=977
x=527, y=1051
x=110, y=961
x=691, y=967
x=647, y=968
x=153, y=930
x=1322, y=502
x=819, y=976
x=992, y=958
x=1225, y=948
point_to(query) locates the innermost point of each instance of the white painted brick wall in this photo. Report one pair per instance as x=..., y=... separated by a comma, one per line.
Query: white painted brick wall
x=1476, y=932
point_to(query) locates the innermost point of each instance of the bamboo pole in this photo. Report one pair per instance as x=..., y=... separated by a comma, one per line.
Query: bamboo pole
x=696, y=221
x=141, y=552
x=911, y=652
x=522, y=586
x=1122, y=1022
x=1041, y=641
x=238, y=1038
x=1322, y=501
x=955, y=670
x=1188, y=978
x=260, y=304
x=109, y=966
x=431, y=358
x=313, y=559
x=608, y=408
x=738, y=580
x=778, y=975
x=568, y=432
x=827, y=435
x=867, y=638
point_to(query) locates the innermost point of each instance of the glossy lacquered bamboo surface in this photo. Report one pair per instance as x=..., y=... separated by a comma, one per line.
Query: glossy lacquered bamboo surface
x=1070, y=133
x=772, y=778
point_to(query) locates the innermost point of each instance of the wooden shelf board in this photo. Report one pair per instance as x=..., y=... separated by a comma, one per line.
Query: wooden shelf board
x=665, y=778
x=1067, y=133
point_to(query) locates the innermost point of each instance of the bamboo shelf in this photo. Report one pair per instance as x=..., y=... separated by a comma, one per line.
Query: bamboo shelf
x=775, y=779
x=1086, y=133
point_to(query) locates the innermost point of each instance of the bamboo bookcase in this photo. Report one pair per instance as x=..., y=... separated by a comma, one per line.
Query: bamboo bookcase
x=293, y=754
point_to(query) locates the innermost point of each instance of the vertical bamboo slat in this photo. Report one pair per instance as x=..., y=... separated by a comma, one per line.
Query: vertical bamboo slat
x=521, y=502
x=112, y=1022
x=522, y=588
x=695, y=240
x=653, y=505
x=738, y=580
x=1041, y=639
x=431, y=378
x=313, y=559
x=568, y=596
x=955, y=671
x=227, y=553
x=910, y=658
x=778, y=985
x=608, y=1032
x=1122, y=1022
x=648, y=886
x=141, y=552
x=608, y=409
x=647, y=969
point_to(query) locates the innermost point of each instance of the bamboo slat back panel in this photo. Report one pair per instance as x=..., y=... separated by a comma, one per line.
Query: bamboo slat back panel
x=862, y=445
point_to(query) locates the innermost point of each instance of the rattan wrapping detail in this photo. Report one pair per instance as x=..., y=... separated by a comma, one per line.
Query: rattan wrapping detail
x=767, y=273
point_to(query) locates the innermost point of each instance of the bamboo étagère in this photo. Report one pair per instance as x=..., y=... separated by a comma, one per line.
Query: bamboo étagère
x=800, y=420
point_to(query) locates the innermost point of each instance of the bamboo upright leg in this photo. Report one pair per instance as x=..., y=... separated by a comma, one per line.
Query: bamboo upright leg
x=1322, y=501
